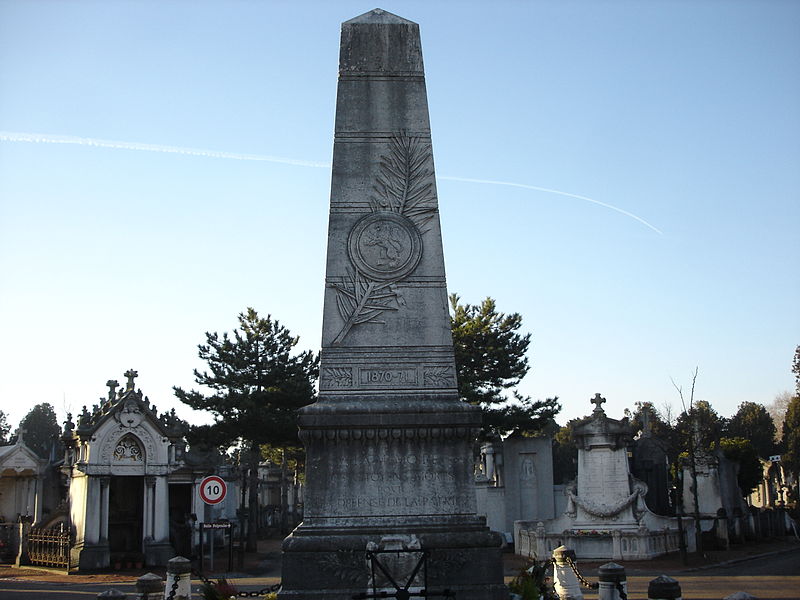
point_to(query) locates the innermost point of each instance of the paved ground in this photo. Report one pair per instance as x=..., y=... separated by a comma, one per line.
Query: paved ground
x=768, y=570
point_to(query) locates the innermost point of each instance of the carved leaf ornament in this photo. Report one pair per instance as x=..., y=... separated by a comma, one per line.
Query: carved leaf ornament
x=385, y=246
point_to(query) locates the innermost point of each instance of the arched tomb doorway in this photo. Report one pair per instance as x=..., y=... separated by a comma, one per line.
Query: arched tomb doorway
x=126, y=502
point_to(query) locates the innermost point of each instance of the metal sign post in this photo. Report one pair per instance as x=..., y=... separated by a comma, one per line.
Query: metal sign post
x=227, y=528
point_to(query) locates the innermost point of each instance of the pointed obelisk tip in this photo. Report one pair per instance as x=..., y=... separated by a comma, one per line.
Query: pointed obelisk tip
x=378, y=16
x=379, y=42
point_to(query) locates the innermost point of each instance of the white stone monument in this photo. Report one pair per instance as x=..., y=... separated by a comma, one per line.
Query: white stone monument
x=606, y=516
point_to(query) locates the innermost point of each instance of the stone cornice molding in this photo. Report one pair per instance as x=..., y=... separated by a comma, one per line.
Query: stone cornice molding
x=390, y=434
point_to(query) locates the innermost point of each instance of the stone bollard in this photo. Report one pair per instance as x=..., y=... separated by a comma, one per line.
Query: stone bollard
x=149, y=586
x=179, y=579
x=111, y=594
x=565, y=582
x=613, y=583
x=740, y=596
x=23, y=532
x=663, y=588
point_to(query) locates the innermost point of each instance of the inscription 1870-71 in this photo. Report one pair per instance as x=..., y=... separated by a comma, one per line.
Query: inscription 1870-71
x=388, y=376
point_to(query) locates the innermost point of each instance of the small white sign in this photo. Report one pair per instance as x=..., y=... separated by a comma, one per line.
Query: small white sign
x=213, y=489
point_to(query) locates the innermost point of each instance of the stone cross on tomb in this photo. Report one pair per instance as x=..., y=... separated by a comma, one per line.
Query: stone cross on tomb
x=112, y=387
x=131, y=375
x=597, y=401
x=646, y=424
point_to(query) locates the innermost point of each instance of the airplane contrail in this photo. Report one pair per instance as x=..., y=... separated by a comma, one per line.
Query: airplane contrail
x=10, y=136
x=39, y=138
x=550, y=191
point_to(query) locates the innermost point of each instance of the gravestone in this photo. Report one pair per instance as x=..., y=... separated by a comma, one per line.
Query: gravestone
x=388, y=442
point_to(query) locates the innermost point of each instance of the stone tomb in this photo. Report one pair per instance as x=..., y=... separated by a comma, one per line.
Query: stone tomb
x=606, y=516
x=22, y=479
x=388, y=442
x=133, y=490
x=514, y=482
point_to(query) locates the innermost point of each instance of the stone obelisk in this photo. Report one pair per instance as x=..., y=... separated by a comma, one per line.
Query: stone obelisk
x=389, y=443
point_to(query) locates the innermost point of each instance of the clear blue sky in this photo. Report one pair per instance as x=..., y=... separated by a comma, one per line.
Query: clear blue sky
x=684, y=114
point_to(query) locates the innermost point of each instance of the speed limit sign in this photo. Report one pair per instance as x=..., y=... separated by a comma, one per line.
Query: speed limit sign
x=213, y=489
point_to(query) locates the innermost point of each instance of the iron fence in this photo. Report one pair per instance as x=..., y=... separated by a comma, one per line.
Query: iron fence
x=49, y=547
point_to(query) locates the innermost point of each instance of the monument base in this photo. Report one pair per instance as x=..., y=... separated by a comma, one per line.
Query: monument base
x=464, y=558
x=90, y=557
x=389, y=475
x=156, y=554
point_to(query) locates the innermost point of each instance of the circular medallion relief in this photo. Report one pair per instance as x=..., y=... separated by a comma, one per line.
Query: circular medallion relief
x=385, y=246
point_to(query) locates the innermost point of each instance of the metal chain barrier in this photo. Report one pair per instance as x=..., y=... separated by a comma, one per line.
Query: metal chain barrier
x=262, y=592
x=174, y=587
x=621, y=591
x=584, y=582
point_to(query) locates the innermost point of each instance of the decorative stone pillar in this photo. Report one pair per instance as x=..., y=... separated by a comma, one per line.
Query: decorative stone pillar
x=149, y=585
x=22, y=551
x=37, y=498
x=149, y=504
x=663, y=587
x=157, y=548
x=179, y=579
x=616, y=544
x=612, y=578
x=105, y=484
x=93, y=510
x=565, y=582
x=161, y=510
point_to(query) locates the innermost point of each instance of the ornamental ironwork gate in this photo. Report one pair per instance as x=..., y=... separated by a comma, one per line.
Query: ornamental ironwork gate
x=49, y=547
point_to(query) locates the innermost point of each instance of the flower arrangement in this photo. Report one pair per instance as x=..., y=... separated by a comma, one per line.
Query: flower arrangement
x=219, y=590
x=533, y=582
x=222, y=589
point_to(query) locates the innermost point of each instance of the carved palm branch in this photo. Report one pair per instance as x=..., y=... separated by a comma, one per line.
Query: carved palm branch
x=404, y=185
x=405, y=181
x=361, y=300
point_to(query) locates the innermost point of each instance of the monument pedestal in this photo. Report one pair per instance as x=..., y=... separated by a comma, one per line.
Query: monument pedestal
x=376, y=474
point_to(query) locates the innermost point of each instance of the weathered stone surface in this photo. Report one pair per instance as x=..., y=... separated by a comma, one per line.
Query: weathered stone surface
x=388, y=443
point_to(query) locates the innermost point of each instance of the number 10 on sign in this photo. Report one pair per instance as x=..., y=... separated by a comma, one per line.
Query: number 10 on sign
x=213, y=489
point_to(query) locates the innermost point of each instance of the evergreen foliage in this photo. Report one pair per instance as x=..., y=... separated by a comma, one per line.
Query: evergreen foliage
x=753, y=422
x=710, y=425
x=41, y=429
x=4, y=428
x=791, y=437
x=744, y=452
x=565, y=456
x=491, y=360
x=257, y=384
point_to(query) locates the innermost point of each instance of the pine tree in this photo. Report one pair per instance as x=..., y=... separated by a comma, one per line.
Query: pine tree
x=41, y=429
x=491, y=359
x=752, y=422
x=4, y=427
x=257, y=387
